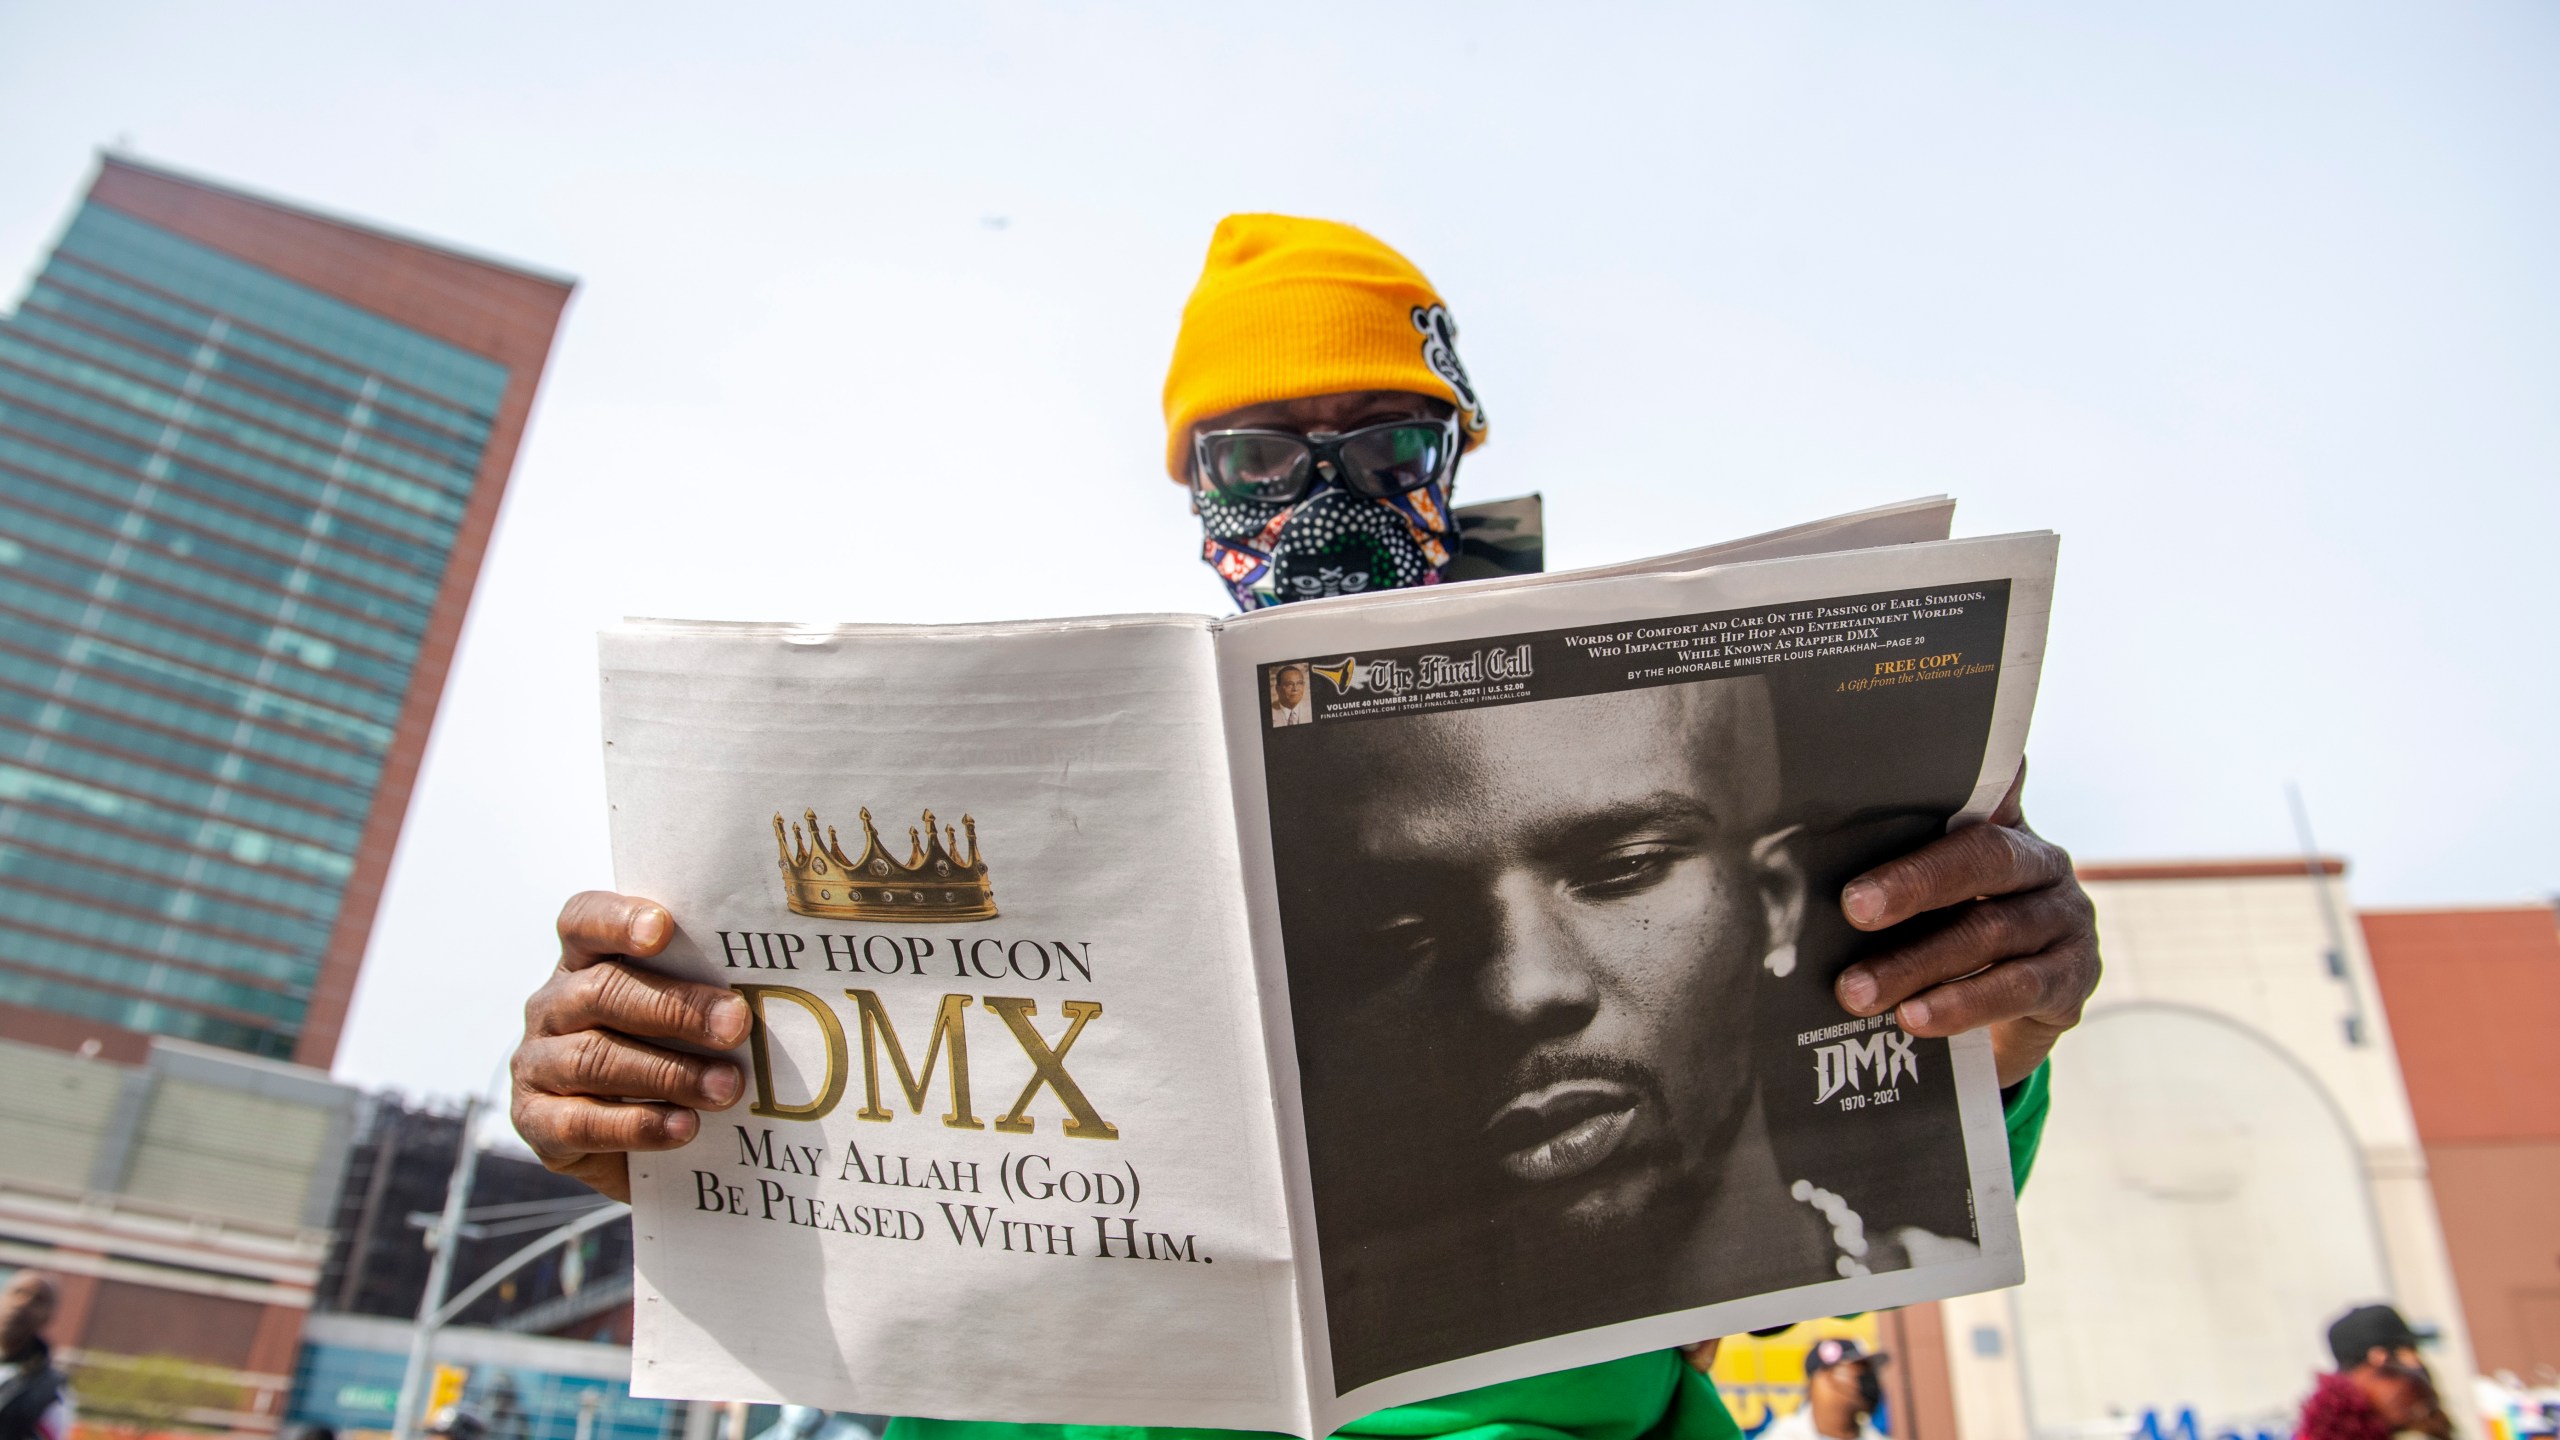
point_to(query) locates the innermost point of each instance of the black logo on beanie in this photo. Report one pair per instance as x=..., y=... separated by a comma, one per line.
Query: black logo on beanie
x=1440, y=352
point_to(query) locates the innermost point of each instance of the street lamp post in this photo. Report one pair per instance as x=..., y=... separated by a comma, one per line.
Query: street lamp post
x=444, y=1239
x=445, y=1235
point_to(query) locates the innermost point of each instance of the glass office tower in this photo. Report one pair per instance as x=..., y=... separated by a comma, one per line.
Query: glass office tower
x=249, y=459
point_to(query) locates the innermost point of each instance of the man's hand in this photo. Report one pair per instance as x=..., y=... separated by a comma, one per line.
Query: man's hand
x=589, y=1087
x=1999, y=934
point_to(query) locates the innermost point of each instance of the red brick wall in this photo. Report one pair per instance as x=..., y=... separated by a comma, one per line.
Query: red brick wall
x=2474, y=1002
x=130, y=1319
x=2474, y=997
x=55, y=1030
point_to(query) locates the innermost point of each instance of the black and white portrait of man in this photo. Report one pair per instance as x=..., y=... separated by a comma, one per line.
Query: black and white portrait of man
x=1542, y=959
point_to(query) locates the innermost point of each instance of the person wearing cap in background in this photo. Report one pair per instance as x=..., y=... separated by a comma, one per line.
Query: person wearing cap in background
x=2380, y=1388
x=1842, y=1394
x=1315, y=416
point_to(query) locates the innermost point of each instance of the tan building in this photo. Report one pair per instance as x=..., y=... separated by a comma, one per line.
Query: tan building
x=2231, y=1164
x=183, y=1205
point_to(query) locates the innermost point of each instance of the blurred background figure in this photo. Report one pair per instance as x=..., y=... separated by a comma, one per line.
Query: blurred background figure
x=2381, y=1386
x=35, y=1398
x=456, y=1422
x=1842, y=1394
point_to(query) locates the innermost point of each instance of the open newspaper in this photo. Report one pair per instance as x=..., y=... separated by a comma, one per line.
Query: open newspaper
x=1253, y=1023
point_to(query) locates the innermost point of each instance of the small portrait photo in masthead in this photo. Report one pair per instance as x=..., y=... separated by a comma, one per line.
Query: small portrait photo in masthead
x=1290, y=702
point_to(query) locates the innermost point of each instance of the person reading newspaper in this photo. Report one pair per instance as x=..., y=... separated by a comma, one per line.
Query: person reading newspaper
x=1316, y=414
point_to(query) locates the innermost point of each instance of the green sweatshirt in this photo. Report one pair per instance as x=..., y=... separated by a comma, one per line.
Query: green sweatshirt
x=1654, y=1396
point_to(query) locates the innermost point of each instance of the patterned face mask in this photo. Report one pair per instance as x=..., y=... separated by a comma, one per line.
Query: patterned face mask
x=1331, y=542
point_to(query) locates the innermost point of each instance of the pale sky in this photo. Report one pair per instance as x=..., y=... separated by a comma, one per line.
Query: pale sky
x=2256, y=305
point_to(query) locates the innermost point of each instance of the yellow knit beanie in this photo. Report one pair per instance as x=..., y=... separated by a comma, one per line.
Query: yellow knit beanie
x=1287, y=308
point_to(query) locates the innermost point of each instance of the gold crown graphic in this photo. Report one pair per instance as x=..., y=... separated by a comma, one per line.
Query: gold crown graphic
x=932, y=883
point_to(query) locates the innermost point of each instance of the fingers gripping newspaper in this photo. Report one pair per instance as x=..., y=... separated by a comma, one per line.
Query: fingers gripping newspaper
x=1256, y=1023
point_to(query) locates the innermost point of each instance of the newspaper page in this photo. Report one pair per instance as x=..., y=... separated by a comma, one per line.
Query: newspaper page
x=1544, y=885
x=1905, y=522
x=1007, y=1150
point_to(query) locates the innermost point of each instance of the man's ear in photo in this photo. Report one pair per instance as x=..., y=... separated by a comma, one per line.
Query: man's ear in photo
x=1783, y=888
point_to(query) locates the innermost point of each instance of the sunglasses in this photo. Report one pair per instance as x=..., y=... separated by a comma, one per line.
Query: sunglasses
x=1279, y=467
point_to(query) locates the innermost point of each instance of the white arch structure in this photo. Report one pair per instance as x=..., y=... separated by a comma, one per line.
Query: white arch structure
x=2199, y=1222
